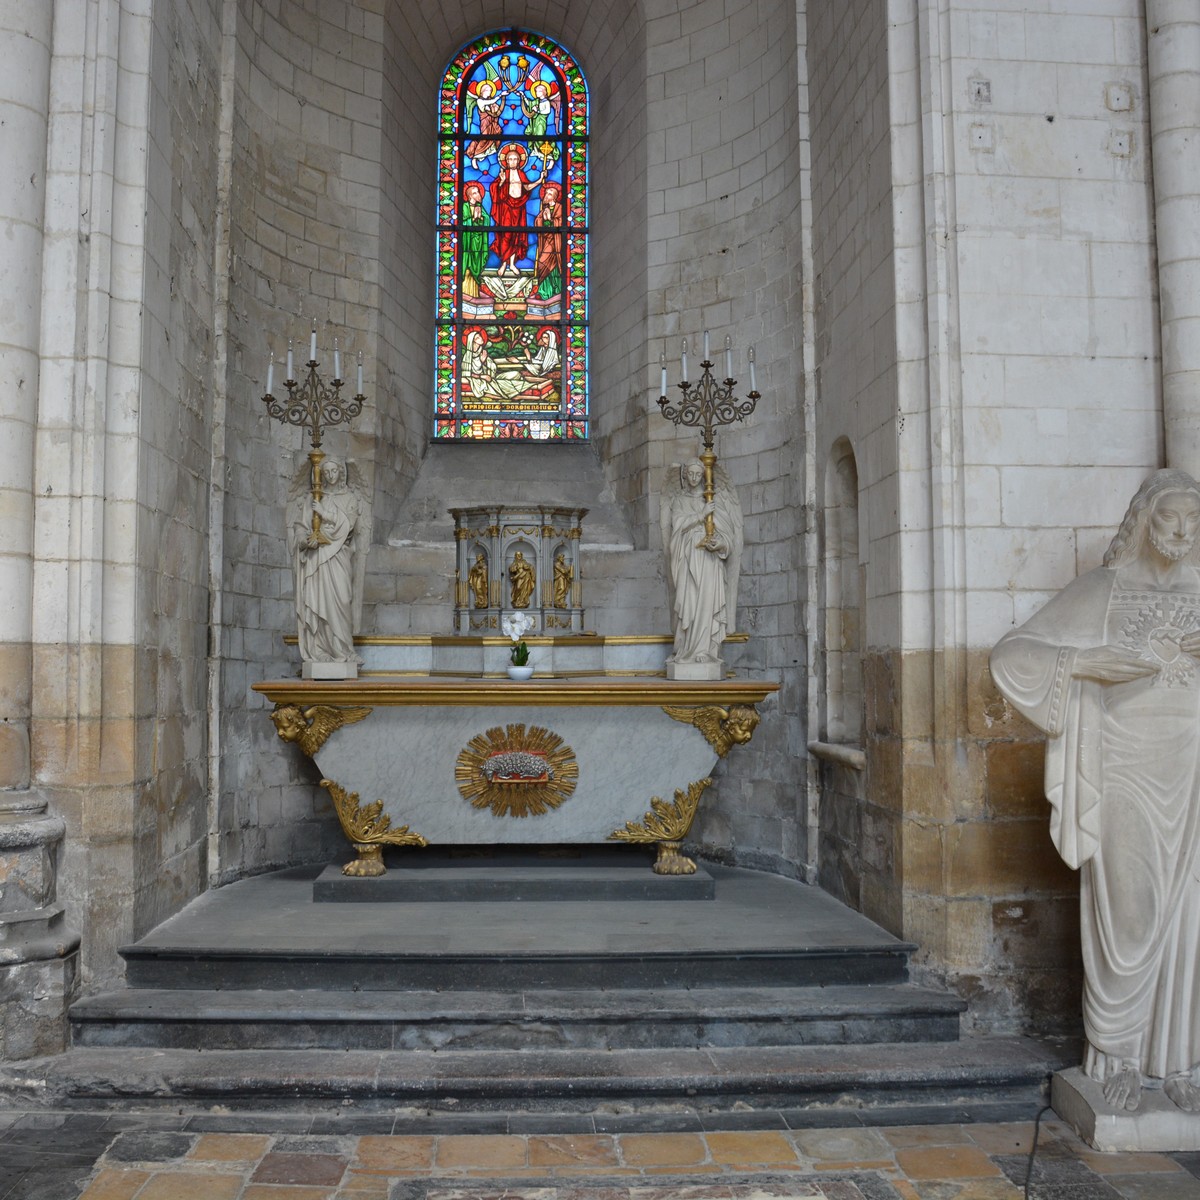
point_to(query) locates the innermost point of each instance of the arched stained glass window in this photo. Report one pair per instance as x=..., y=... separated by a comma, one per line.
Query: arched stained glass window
x=512, y=263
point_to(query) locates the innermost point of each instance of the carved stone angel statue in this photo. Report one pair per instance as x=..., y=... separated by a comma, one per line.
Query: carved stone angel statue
x=329, y=567
x=702, y=572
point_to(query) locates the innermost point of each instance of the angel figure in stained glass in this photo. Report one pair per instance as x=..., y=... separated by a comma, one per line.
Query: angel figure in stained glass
x=542, y=102
x=486, y=98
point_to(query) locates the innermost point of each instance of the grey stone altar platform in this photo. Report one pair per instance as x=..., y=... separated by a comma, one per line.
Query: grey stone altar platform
x=766, y=994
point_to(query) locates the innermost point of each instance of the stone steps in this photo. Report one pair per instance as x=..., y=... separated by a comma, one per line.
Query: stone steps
x=543, y=1019
x=878, y=1078
x=375, y=970
x=767, y=995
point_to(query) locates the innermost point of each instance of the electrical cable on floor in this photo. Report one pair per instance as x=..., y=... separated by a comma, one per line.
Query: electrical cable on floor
x=1037, y=1125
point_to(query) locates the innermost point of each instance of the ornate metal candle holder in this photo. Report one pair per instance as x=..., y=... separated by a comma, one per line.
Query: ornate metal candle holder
x=706, y=406
x=314, y=405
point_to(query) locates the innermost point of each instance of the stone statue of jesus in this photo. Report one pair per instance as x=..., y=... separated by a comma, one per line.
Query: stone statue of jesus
x=1109, y=670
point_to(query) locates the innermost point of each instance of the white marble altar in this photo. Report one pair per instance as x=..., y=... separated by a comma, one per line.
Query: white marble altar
x=452, y=761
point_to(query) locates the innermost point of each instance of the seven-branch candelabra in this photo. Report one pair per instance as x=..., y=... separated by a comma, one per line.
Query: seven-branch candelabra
x=706, y=406
x=314, y=405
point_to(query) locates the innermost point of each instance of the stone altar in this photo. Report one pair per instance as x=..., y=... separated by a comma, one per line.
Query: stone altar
x=415, y=761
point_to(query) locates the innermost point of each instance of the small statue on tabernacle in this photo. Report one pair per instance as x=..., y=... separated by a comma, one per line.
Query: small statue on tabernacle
x=564, y=575
x=520, y=575
x=477, y=581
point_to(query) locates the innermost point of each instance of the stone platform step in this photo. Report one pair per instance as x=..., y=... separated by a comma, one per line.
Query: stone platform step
x=354, y=971
x=853, y=1078
x=546, y=1019
x=759, y=931
x=511, y=878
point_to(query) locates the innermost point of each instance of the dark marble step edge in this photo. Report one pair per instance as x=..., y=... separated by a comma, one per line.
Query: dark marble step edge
x=335, y=972
x=510, y=1037
x=419, y=1076
x=166, y=951
x=301, y=1005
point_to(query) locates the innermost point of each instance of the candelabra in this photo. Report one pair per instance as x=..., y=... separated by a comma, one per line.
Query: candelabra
x=706, y=406
x=314, y=405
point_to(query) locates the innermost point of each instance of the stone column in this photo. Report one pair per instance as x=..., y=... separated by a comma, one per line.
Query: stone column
x=25, y=30
x=1173, y=52
x=38, y=952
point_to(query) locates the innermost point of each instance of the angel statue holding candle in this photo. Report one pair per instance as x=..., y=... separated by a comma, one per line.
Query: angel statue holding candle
x=329, y=559
x=702, y=570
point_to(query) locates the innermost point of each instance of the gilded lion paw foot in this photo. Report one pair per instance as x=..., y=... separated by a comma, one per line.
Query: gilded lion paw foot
x=1183, y=1093
x=1124, y=1089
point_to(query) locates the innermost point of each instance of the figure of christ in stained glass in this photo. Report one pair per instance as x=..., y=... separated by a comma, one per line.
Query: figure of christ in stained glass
x=510, y=196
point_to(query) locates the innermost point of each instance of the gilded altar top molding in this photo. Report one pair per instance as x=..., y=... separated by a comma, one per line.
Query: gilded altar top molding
x=523, y=559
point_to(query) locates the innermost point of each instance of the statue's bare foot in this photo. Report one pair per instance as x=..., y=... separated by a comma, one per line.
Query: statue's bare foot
x=1124, y=1089
x=1183, y=1093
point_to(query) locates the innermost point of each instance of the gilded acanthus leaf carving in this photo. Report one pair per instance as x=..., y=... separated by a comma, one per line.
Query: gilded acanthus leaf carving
x=368, y=823
x=665, y=822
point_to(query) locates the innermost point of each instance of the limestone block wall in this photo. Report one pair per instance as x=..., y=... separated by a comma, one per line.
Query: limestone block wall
x=1003, y=408
x=608, y=41
x=304, y=242
x=854, y=303
x=1062, y=416
x=724, y=139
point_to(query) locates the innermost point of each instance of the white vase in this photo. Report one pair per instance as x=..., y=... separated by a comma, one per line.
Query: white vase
x=520, y=672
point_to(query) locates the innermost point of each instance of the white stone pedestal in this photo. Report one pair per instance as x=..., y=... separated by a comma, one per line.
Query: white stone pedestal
x=1157, y=1125
x=712, y=670
x=329, y=670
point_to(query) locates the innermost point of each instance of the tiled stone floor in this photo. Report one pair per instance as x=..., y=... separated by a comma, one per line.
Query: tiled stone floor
x=229, y=1156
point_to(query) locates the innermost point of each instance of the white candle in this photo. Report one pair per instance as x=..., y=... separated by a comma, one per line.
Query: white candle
x=683, y=360
x=271, y=373
x=662, y=362
x=337, y=360
x=360, y=391
x=707, y=355
x=291, y=366
x=753, y=385
x=312, y=343
x=728, y=357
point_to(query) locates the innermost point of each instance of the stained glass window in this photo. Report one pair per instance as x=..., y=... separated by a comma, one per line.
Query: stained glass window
x=512, y=243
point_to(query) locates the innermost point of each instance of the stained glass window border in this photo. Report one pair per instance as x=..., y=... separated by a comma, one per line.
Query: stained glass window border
x=457, y=418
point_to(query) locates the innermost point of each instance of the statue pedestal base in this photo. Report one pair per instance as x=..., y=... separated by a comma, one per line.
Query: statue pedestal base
x=328, y=670
x=694, y=670
x=1157, y=1125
